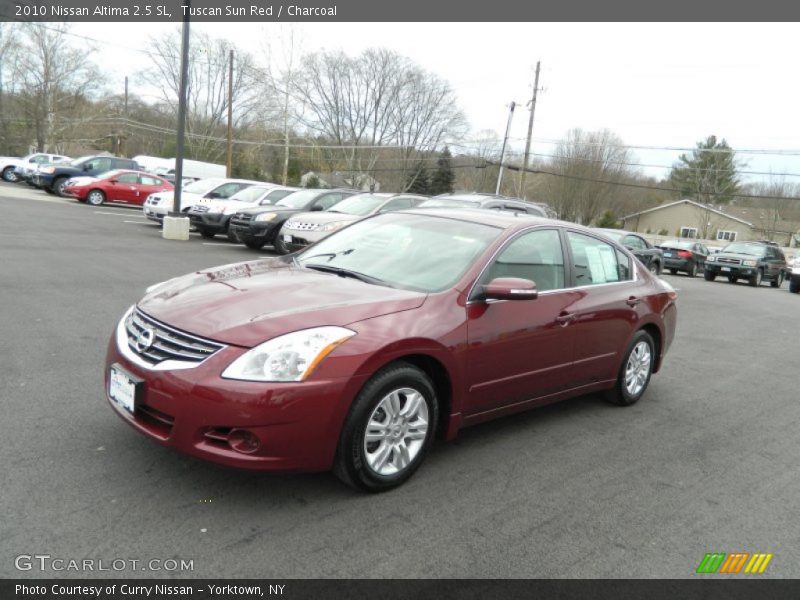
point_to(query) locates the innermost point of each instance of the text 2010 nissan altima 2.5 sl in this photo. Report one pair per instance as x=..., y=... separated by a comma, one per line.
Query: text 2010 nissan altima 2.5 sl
x=356, y=353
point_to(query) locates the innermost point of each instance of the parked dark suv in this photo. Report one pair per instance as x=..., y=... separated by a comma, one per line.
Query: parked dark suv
x=753, y=261
x=51, y=178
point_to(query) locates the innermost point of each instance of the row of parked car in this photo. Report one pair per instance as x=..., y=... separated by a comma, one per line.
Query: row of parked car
x=754, y=262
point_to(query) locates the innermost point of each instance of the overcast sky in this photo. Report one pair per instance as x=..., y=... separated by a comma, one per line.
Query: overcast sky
x=653, y=84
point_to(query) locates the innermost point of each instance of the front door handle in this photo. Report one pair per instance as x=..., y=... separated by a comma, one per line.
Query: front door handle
x=565, y=318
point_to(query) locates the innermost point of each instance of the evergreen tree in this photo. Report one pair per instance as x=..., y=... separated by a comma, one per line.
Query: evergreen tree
x=709, y=175
x=444, y=177
x=417, y=181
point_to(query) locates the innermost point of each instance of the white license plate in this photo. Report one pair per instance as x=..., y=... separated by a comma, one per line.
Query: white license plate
x=287, y=238
x=121, y=388
x=725, y=269
x=668, y=254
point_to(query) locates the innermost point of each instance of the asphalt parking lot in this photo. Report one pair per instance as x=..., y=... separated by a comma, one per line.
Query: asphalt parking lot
x=706, y=462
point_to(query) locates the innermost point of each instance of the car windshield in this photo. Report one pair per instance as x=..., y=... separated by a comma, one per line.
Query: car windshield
x=360, y=205
x=250, y=194
x=203, y=186
x=678, y=244
x=449, y=203
x=78, y=162
x=298, y=199
x=409, y=251
x=745, y=248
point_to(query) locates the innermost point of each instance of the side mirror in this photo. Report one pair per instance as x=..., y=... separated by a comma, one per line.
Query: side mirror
x=510, y=288
x=86, y=167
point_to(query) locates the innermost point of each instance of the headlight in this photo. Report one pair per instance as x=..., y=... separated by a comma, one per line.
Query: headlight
x=749, y=263
x=332, y=226
x=48, y=170
x=711, y=258
x=290, y=357
x=265, y=217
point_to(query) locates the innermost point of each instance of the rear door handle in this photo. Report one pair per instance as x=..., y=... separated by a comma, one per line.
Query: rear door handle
x=565, y=318
x=633, y=301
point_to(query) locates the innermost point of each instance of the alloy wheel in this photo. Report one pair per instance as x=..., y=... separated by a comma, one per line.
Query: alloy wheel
x=638, y=368
x=396, y=431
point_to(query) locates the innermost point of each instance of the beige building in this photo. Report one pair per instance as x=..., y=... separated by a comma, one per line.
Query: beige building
x=690, y=219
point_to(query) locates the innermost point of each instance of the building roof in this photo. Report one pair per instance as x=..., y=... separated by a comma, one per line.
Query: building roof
x=692, y=202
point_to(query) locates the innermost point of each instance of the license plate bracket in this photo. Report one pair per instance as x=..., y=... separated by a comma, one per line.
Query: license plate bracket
x=124, y=389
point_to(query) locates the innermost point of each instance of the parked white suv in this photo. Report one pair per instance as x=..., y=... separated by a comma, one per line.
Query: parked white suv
x=159, y=205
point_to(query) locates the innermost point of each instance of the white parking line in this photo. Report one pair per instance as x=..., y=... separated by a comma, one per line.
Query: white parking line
x=226, y=244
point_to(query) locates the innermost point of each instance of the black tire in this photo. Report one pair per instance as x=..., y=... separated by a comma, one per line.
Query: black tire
x=205, y=233
x=655, y=268
x=673, y=271
x=280, y=246
x=692, y=270
x=9, y=175
x=778, y=281
x=95, y=198
x=709, y=275
x=58, y=186
x=621, y=394
x=352, y=464
x=794, y=286
x=731, y=279
x=253, y=244
x=756, y=279
x=232, y=237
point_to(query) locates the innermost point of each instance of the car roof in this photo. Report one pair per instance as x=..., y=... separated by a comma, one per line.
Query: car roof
x=502, y=220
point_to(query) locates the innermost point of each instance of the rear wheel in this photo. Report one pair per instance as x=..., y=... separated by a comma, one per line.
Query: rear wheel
x=58, y=186
x=756, y=279
x=709, y=275
x=95, y=198
x=9, y=175
x=655, y=268
x=634, y=374
x=389, y=429
x=778, y=281
x=692, y=270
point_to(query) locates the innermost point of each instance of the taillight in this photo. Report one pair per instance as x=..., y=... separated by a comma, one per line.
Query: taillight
x=684, y=254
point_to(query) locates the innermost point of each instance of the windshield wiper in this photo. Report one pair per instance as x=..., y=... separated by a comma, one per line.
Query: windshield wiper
x=346, y=273
x=330, y=255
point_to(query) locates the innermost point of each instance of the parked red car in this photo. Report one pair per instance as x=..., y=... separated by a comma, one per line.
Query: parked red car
x=354, y=354
x=126, y=187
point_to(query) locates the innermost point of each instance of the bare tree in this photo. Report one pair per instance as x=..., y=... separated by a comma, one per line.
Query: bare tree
x=207, y=87
x=53, y=81
x=583, y=173
x=376, y=101
x=776, y=199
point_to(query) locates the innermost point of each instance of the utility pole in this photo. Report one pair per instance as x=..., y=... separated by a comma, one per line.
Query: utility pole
x=229, y=163
x=503, y=151
x=530, y=131
x=125, y=122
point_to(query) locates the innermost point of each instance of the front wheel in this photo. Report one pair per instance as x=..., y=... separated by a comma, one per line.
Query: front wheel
x=9, y=175
x=58, y=186
x=692, y=270
x=756, y=279
x=389, y=429
x=709, y=275
x=253, y=244
x=95, y=198
x=634, y=374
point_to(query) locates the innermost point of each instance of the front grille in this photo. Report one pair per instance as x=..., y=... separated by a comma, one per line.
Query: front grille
x=241, y=219
x=729, y=261
x=300, y=226
x=167, y=343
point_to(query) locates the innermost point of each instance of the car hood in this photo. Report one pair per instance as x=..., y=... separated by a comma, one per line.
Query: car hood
x=322, y=217
x=737, y=255
x=248, y=303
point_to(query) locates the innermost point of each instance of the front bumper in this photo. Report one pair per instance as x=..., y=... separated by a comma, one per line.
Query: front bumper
x=297, y=240
x=256, y=231
x=213, y=222
x=725, y=270
x=41, y=181
x=193, y=410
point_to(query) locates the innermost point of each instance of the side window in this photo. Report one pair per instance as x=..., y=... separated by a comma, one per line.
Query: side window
x=634, y=242
x=128, y=178
x=145, y=180
x=274, y=196
x=597, y=262
x=328, y=200
x=99, y=165
x=535, y=255
x=397, y=204
x=227, y=190
x=39, y=159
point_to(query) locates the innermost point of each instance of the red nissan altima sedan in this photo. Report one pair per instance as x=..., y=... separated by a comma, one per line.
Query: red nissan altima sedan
x=356, y=353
